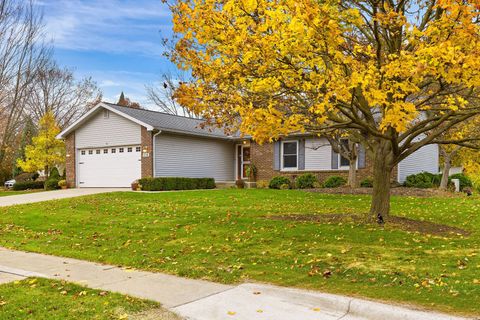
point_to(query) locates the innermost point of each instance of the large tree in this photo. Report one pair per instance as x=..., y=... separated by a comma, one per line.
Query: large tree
x=55, y=89
x=22, y=52
x=395, y=73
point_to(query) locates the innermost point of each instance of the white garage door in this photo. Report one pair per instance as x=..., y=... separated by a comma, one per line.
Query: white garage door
x=108, y=167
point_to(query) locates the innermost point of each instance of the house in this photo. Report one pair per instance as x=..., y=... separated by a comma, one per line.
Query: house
x=111, y=146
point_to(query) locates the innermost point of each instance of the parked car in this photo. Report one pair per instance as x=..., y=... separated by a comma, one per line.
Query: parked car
x=9, y=184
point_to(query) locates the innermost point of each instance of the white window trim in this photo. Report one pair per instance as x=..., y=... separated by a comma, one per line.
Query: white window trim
x=281, y=156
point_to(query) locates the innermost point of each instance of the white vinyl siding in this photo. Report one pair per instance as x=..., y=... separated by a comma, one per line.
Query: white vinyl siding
x=423, y=160
x=318, y=153
x=194, y=157
x=101, y=131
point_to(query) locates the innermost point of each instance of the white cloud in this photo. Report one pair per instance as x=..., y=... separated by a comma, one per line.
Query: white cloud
x=112, y=26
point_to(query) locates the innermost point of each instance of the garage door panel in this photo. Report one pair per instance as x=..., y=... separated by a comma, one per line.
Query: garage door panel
x=108, y=169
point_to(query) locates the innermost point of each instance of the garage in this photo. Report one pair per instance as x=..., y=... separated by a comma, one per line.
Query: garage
x=108, y=167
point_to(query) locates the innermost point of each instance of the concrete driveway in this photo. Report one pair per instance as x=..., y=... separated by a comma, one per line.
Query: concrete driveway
x=52, y=195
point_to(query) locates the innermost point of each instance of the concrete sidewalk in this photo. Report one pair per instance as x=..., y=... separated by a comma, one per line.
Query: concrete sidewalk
x=203, y=300
x=52, y=195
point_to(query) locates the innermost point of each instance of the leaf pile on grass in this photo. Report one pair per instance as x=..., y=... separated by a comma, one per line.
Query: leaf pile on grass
x=401, y=223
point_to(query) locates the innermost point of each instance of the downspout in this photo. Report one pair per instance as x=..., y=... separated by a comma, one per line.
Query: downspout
x=154, y=152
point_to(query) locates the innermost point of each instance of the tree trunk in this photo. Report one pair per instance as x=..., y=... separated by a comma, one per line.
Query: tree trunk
x=382, y=170
x=352, y=173
x=447, y=164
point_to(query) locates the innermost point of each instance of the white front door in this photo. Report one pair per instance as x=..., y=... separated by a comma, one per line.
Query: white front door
x=108, y=167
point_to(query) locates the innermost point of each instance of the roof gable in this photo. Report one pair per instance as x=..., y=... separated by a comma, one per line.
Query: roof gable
x=152, y=120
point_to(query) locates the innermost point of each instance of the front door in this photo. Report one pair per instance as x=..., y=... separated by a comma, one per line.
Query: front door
x=243, y=161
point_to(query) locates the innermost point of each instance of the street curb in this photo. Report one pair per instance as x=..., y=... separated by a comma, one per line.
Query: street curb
x=380, y=311
x=355, y=307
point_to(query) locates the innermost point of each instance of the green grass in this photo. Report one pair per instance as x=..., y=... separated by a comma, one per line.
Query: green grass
x=6, y=192
x=226, y=236
x=48, y=299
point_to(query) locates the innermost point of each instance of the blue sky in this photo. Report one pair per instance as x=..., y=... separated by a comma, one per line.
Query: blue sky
x=116, y=42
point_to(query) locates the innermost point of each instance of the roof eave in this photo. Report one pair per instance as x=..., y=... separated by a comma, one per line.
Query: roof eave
x=86, y=116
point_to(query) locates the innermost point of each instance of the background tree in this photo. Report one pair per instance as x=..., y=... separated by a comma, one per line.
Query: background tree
x=397, y=74
x=163, y=96
x=22, y=52
x=28, y=132
x=463, y=152
x=55, y=90
x=125, y=102
x=46, y=151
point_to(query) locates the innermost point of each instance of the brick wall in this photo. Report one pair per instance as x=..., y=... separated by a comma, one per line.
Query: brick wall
x=70, y=159
x=147, y=162
x=262, y=157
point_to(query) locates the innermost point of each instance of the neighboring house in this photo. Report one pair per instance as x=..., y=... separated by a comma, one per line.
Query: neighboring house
x=111, y=146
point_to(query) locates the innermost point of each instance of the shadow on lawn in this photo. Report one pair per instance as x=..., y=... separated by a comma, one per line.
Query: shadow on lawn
x=402, y=223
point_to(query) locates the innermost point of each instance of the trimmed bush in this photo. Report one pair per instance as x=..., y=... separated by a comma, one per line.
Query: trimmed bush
x=334, y=182
x=305, y=181
x=176, y=183
x=423, y=180
x=277, y=182
x=366, y=183
x=465, y=181
x=52, y=184
x=62, y=183
x=28, y=185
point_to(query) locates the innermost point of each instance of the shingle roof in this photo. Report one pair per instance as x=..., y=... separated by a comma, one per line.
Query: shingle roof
x=171, y=123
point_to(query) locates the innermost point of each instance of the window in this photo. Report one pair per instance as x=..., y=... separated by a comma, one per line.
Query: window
x=114, y=150
x=129, y=149
x=106, y=114
x=138, y=149
x=82, y=152
x=289, y=155
x=120, y=150
x=105, y=150
x=90, y=151
x=97, y=151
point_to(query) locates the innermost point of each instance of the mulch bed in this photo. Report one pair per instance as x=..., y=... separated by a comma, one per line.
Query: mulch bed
x=401, y=223
x=398, y=191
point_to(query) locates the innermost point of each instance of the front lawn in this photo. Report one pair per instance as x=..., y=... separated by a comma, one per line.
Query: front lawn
x=48, y=299
x=286, y=237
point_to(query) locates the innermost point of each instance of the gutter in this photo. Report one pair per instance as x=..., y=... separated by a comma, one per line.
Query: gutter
x=154, y=152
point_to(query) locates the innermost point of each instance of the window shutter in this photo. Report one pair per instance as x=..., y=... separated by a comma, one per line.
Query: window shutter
x=361, y=157
x=301, y=154
x=276, y=155
x=334, y=160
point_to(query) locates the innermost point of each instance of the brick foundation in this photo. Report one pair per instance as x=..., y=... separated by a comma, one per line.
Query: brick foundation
x=147, y=145
x=70, y=160
x=262, y=156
